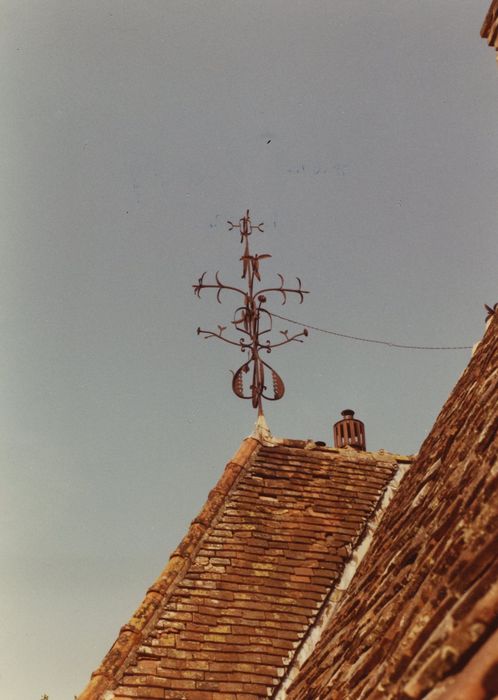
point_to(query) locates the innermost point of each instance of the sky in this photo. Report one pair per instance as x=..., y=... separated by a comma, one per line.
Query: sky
x=364, y=136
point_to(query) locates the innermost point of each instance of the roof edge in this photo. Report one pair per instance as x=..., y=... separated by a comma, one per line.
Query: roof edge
x=131, y=634
x=336, y=593
x=489, y=19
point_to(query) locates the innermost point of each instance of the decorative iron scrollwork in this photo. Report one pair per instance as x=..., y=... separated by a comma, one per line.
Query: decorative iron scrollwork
x=255, y=379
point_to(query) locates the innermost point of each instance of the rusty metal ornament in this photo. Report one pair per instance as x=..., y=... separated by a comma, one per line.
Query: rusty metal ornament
x=255, y=380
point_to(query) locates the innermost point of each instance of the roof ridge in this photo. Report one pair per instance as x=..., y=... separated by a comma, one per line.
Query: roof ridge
x=381, y=455
x=131, y=634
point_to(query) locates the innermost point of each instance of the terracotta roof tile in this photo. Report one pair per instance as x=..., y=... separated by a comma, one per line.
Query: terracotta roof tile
x=228, y=613
x=489, y=29
x=419, y=618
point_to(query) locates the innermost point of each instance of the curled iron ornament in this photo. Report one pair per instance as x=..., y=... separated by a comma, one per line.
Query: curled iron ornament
x=253, y=321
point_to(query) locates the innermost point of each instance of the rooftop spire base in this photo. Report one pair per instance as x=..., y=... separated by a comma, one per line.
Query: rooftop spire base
x=261, y=430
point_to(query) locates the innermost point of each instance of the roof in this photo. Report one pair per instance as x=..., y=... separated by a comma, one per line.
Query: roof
x=420, y=617
x=257, y=570
x=489, y=29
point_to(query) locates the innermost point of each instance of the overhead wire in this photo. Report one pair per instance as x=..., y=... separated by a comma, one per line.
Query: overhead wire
x=372, y=340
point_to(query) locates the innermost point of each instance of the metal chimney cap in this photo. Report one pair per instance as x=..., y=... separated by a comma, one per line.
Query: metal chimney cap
x=347, y=413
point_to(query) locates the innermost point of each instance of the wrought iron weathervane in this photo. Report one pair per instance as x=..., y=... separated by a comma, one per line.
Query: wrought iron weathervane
x=254, y=321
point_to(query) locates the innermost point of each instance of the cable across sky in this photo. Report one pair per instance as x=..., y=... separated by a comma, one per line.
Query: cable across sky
x=372, y=340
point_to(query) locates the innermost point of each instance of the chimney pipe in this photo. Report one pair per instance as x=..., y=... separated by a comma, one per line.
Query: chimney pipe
x=349, y=432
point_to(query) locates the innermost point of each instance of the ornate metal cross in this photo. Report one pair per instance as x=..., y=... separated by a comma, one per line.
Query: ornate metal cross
x=254, y=321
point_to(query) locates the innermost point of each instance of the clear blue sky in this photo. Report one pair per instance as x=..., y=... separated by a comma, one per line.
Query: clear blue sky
x=130, y=132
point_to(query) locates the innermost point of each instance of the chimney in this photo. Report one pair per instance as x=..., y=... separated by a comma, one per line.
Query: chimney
x=349, y=432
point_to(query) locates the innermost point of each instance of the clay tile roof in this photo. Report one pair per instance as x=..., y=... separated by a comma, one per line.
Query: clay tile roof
x=420, y=618
x=489, y=29
x=257, y=568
